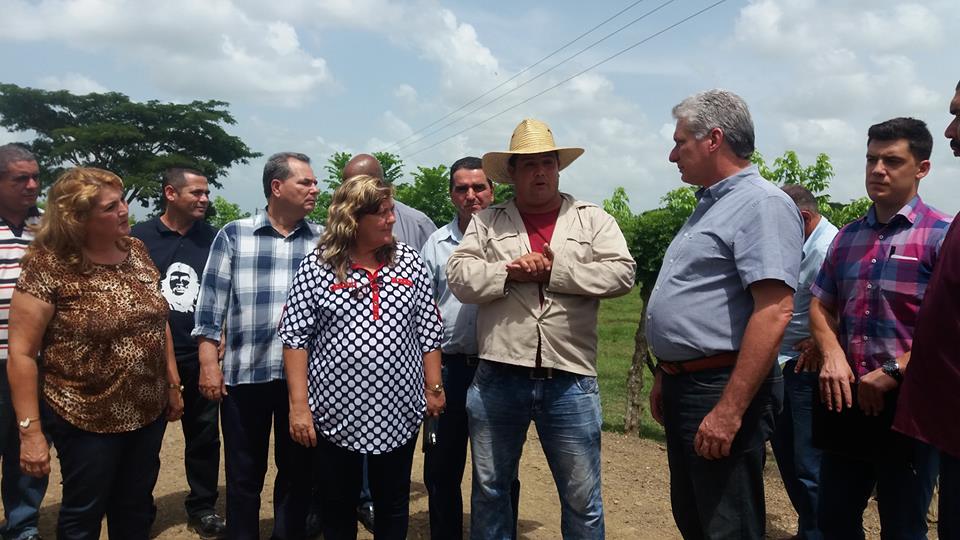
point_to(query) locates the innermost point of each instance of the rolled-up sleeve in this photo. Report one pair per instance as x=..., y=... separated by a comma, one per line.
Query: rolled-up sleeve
x=298, y=322
x=770, y=243
x=610, y=272
x=472, y=279
x=215, y=288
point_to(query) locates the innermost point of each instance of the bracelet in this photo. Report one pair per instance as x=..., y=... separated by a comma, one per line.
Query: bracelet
x=177, y=387
x=435, y=388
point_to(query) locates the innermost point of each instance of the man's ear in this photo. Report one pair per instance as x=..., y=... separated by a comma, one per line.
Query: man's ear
x=716, y=138
x=169, y=192
x=923, y=170
x=275, y=186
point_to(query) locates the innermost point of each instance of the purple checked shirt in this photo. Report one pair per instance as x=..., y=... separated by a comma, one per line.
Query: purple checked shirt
x=874, y=277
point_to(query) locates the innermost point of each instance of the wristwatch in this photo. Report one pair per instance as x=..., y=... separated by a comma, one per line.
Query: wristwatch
x=892, y=368
x=435, y=388
x=25, y=423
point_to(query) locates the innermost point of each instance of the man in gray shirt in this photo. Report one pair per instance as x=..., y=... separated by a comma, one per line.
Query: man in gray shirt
x=715, y=319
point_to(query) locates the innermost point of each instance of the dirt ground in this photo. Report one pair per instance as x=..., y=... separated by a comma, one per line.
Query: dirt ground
x=635, y=493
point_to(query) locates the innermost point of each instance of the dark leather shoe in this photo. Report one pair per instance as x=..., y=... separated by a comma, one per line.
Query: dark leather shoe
x=208, y=527
x=365, y=515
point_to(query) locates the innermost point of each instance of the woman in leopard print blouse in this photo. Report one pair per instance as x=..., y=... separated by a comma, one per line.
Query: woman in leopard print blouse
x=87, y=304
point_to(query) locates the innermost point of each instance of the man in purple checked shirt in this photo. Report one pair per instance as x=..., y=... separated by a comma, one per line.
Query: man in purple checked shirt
x=930, y=396
x=866, y=299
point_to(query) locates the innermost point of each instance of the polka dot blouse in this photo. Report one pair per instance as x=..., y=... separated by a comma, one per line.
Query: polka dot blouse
x=365, y=337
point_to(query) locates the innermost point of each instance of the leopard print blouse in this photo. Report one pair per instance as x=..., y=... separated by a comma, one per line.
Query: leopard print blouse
x=103, y=359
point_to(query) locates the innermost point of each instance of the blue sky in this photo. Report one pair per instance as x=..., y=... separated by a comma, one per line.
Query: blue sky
x=359, y=75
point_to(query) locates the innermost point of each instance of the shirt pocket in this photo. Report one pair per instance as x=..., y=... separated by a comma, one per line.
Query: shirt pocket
x=578, y=247
x=503, y=246
x=703, y=255
x=902, y=282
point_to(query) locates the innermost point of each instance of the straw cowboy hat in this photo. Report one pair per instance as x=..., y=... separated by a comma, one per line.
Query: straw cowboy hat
x=530, y=137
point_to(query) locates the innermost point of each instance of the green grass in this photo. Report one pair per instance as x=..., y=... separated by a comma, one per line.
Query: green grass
x=618, y=325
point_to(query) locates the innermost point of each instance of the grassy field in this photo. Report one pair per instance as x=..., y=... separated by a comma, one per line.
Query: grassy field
x=618, y=324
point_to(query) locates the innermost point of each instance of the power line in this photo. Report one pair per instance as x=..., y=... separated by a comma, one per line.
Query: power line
x=519, y=73
x=541, y=74
x=568, y=79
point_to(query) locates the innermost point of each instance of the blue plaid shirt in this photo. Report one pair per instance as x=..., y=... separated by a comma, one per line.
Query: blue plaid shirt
x=248, y=274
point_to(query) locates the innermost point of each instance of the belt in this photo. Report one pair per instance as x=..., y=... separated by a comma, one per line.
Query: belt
x=721, y=360
x=533, y=373
x=469, y=360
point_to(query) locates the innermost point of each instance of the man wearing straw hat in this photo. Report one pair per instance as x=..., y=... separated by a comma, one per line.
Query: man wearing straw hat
x=537, y=266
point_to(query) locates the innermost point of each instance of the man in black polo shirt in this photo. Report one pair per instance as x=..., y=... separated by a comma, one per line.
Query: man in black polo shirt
x=179, y=242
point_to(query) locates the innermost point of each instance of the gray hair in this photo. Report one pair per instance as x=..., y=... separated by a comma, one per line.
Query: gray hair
x=13, y=152
x=802, y=197
x=278, y=167
x=719, y=109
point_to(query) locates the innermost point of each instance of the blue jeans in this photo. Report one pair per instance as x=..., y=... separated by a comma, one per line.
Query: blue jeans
x=443, y=464
x=110, y=474
x=21, y=494
x=721, y=498
x=501, y=403
x=904, y=487
x=792, y=442
x=948, y=513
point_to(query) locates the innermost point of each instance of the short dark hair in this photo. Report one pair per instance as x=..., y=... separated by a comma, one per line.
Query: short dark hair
x=469, y=163
x=13, y=152
x=914, y=131
x=802, y=197
x=177, y=177
x=278, y=167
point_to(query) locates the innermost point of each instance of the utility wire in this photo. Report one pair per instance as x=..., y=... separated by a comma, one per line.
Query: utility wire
x=537, y=76
x=568, y=79
x=519, y=73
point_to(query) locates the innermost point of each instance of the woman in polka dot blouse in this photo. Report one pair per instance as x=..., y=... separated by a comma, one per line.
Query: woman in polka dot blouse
x=361, y=336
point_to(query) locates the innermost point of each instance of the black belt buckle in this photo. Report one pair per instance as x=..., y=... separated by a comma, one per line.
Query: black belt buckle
x=471, y=361
x=541, y=373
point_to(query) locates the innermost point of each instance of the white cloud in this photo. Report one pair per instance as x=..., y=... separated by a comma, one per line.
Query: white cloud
x=406, y=93
x=72, y=82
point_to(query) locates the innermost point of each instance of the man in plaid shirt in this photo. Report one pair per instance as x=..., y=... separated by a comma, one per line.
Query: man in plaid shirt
x=866, y=299
x=244, y=286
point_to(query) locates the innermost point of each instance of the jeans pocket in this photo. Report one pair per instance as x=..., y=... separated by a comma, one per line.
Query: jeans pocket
x=483, y=374
x=588, y=384
x=710, y=379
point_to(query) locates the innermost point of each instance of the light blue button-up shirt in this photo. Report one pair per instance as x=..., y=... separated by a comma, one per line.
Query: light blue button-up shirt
x=459, y=320
x=814, y=250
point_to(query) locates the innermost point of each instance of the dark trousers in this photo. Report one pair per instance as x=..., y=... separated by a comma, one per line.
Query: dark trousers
x=21, y=494
x=201, y=434
x=792, y=442
x=389, y=475
x=904, y=487
x=247, y=413
x=948, y=513
x=444, y=463
x=110, y=474
x=722, y=498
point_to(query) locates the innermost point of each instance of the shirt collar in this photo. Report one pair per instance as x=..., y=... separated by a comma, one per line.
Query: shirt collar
x=262, y=221
x=451, y=231
x=728, y=184
x=910, y=212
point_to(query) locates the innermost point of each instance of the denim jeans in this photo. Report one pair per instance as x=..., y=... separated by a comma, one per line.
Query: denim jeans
x=948, y=513
x=904, y=487
x=443, y=464
x=110, y=474
x=389, y=477
x=501, y=402
x=21, y=494
x=247, y=413
x=721, y=498
x=792, y=442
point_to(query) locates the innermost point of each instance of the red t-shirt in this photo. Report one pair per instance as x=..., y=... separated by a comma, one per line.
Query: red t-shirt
x=540, y=228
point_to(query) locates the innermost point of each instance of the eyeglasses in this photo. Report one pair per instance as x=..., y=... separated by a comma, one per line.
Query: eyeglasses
x=477, y=188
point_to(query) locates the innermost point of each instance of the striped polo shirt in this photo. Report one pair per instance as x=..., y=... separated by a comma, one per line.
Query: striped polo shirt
x=13, y=244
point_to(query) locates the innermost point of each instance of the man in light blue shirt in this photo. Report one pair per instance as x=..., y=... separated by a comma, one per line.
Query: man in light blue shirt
x=792, y=441
x=470, y=192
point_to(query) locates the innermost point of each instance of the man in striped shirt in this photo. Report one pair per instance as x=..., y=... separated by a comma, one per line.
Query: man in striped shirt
x=242, y=292
x=19, y=186
x=866, y=299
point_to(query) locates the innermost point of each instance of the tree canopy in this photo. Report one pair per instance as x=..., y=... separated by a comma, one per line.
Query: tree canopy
x=135, y=140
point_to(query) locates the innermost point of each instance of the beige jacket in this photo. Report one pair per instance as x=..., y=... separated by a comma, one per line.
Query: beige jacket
x=591, y=261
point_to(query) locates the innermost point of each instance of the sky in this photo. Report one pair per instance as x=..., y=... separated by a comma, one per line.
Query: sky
x=369, y=75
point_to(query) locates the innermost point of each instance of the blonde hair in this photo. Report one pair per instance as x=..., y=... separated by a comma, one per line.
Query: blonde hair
x=357, y=197
x=69, y=202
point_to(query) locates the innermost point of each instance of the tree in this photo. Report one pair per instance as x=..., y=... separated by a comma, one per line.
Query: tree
x=224, y=212
x=137, y=141
x=429, y=193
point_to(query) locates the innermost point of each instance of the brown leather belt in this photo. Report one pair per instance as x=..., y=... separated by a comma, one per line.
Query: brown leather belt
x=722, y=360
